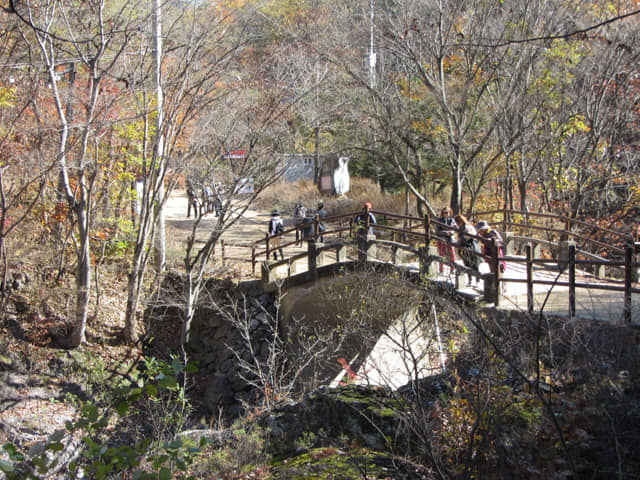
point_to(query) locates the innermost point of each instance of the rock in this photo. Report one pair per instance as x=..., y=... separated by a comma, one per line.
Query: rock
x=218, y=394
x=255, y=323
x=21, y=304
x=19, y=280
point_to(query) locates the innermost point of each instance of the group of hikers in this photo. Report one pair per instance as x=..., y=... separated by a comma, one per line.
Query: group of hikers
x=303, y=220
x=455, y=234
x=208, y=201
x=469, y=247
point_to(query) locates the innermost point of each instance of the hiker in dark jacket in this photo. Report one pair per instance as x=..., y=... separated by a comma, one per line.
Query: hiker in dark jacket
x=363, y=219
x=322, y=225
x=276, y=227
x=468, y=245
x=298, y=219
x=193, y=201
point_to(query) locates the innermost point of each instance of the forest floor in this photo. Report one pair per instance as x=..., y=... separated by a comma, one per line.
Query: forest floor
x=38, y=378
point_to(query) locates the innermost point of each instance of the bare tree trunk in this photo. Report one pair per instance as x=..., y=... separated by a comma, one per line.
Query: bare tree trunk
x=456, y=187
x=159, y=244
x=83, y=285
x=160, y=241
x=133, y=296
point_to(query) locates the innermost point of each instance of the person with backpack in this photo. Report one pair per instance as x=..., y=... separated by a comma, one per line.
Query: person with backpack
x=298, y=219
x=488, y=233
x=322, y=215
x=276, y=228
x=208, y=199
x=446, y=229
x=468, y=246
x=363, y=223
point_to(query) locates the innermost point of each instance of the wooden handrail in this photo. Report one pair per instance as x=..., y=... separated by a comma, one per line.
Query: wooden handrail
x=623, y=236
x=421, y=223
x=425, y=230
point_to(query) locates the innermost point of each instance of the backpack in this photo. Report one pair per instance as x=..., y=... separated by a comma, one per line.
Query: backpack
x=279, y=227
x=300, y=213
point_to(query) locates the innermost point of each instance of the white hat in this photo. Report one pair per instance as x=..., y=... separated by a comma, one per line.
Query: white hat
x=482, y=225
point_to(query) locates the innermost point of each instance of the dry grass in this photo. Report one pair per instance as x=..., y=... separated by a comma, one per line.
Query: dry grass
x=284, y=196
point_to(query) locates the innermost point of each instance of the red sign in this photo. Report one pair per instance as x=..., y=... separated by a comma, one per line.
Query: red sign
x=235, y=154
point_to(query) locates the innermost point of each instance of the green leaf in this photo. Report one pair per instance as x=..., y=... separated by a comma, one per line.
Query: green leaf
x=174, y=444
x=135, y=394
x=57, y=436
x=191, y=367
x=165, y=474
x=36, y=449
x=151, y=389
x=122, y=408
x=55, y=447
x=13, y=452
x=160, y=460
x=92, y=413
x=6, y=466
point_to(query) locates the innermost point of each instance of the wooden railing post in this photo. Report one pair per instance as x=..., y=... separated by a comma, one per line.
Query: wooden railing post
x=427, y=233
x=495, y=271
x=367, y=220
x=635, y=274
x=530, y=299
x=572, y=279
x=311, y=256
x=628, y=278
x=253, y=259
x=266, y=238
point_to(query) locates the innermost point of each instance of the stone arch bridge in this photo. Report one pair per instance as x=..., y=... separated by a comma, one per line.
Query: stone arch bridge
x=553, y=265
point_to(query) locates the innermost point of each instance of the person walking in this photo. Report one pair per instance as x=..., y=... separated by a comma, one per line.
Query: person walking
x=322, y=224
x=363, y=223
x=486, y=232
x=276, y=227
x=193, y=202
x=446, y=230
x=217, y=198
x=468, y=245
x=208, y=198
x=298, y=220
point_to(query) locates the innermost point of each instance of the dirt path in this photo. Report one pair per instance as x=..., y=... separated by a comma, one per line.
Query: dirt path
x=250, y=228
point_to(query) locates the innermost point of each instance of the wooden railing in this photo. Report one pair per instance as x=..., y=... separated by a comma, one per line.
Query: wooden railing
x=575, y=230
x=407, y=238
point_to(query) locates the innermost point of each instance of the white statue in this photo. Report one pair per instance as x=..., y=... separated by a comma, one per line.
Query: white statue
x=341, y=176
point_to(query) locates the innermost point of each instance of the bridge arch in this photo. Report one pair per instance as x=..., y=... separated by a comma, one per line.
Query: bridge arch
x=373, y=325
x=378, y=323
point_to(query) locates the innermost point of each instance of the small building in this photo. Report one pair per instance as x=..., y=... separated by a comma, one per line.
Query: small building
x=302, y=166
x=299, y=166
